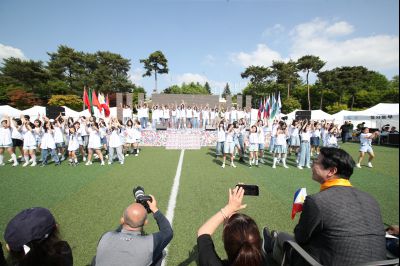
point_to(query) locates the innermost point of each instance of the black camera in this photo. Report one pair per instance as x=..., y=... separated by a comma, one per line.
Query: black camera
x=141, y=198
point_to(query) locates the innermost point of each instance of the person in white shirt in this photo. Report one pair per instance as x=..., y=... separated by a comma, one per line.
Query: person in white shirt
x=94, y=142
x=233, y=115
x=182, y=123
x=174, y=118
x=366, y=146
x=48, y=143
x=304, y=155
x=155, y=116
x=166, y=116
x=205, y=117
x=261, y=139
x=331, y=141
x=189, y=117
x=213, y=117
x=253, y=146
x=29, y=141
x=294, y=137
x=73, y=143
x=229, y=146
x=280, y=147
x=115, y=143
x=6, y=141
x=219, y=150
x=84, y=137
x=196, y=117
x=315, y=137
x=59, y=136
x=16, y=136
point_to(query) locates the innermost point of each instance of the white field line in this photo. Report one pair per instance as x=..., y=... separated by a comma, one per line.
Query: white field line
x=172, y=198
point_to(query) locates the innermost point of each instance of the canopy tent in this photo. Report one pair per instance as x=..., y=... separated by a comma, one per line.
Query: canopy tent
x=315, y=115
x=70, y=113
x=6, y=110
x=34, y=112
x=376, y=116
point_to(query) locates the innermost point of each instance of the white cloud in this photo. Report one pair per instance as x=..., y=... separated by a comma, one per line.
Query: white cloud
x=9, y=51
x=274, y=30
x=262, y=56
x=209, y=60
x=136, y=75
x=191, y=77
x=377, y=52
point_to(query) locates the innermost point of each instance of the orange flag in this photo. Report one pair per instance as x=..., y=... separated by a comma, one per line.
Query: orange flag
x=95, y=101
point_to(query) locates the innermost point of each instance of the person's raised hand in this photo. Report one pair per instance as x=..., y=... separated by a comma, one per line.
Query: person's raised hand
x=235, y=201
x=152, y=204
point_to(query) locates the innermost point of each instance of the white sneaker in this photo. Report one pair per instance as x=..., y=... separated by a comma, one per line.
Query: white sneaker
x=106, y=156
x=88, y=163
x=136, y=155
x=358, y=165
x=122, y=162
x=102, y=163
x=84, y=159
x=10, y=160
x=223, y=165
x=299, y=167
x=370, y=165
x=233, y=165
x=25, y=164
x=15, y=164
x=109, y=162
x=126, y=155
x=308, y=166
x=285, y=166
x=274, y=166
x=261, y=160
x=33, y=164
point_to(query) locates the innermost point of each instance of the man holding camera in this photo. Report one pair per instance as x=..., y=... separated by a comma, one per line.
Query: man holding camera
x=128, y=245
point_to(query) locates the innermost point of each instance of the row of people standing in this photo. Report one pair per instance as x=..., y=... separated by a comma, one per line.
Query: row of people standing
x=189, y=116
x=303, y=138
x=65, y=137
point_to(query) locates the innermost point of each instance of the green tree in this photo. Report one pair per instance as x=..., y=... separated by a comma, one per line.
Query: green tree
x=72, y=101
x=136, y=90
x=286, y=74
x=257, y=74
x=309, y=63
x=336, y=107
x=207, y=87
x=226, y=92
x=27, y=75
x=156, y=63
x=290, y=104
x=191, y=88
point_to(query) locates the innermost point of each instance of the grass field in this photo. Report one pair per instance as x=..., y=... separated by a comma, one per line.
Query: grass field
x=88, y=200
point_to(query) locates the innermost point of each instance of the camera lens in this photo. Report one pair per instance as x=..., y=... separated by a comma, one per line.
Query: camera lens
x=138, y=192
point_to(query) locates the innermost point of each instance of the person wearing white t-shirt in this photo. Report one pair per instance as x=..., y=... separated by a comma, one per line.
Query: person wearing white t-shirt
x=366, y=146
x=173, y=117
x=304, y=157
x=261, y=139
x=253, y=146
x=6, y=141
x=220, y=140
x=229, y=146
x=205, y=117
x=280, y=147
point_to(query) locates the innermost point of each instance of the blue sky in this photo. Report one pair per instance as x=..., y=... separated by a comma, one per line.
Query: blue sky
x=207, y=40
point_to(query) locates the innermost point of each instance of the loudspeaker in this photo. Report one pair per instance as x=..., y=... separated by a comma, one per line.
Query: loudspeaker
x=53, y=111
x=210, y=128
x=160, y=127
x=302, y=115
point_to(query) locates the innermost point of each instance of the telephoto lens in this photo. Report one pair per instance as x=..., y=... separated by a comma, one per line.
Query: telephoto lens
x=141, y=198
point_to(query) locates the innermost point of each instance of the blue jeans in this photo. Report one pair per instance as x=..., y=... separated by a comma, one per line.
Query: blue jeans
x=53, y=153
x=143, y=122
x=304, y=154
x=220, y=148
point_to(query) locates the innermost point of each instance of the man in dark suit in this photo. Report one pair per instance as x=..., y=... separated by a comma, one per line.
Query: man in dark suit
x=340, y=225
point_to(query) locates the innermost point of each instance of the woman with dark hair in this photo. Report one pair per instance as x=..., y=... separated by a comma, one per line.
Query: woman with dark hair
x=242, y=240
x=32, y=239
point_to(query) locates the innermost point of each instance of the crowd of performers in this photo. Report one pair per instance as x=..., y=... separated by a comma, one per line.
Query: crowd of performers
x=185, y=116
x=301, y=138
x=108, y=139
x=90, y=138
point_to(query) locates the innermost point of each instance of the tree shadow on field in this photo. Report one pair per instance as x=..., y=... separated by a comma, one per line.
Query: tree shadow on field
x=192, y=257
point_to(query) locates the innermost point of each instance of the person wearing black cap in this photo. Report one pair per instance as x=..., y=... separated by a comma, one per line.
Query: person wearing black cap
x=32, y=239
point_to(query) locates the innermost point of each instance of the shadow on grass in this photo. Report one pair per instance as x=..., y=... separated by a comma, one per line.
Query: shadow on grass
x=192, y=257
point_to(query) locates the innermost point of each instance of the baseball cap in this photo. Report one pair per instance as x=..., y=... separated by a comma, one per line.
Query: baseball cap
x=31, y=224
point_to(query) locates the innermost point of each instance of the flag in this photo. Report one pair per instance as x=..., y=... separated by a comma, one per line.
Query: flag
x=90, y=101
x=107, y=101
x=268, y=107
x=95, y=101
x=104, y=105
x=264, y=108
x=86, y=98
x=260, y=109
x=273, y=107
x=298, y=201
x=278, y=104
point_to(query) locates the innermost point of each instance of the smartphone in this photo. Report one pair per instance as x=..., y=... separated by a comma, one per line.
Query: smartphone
x=249, y=190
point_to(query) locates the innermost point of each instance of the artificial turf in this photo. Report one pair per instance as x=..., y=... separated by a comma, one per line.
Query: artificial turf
x=88, y=200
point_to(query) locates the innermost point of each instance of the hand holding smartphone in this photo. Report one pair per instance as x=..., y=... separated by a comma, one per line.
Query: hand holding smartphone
x=249, y=190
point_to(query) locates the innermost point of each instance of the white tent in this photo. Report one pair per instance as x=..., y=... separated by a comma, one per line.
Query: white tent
x=315, y=115
x=34, y=112
x=10, y=111
x=70, y=113
x=376, y=116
